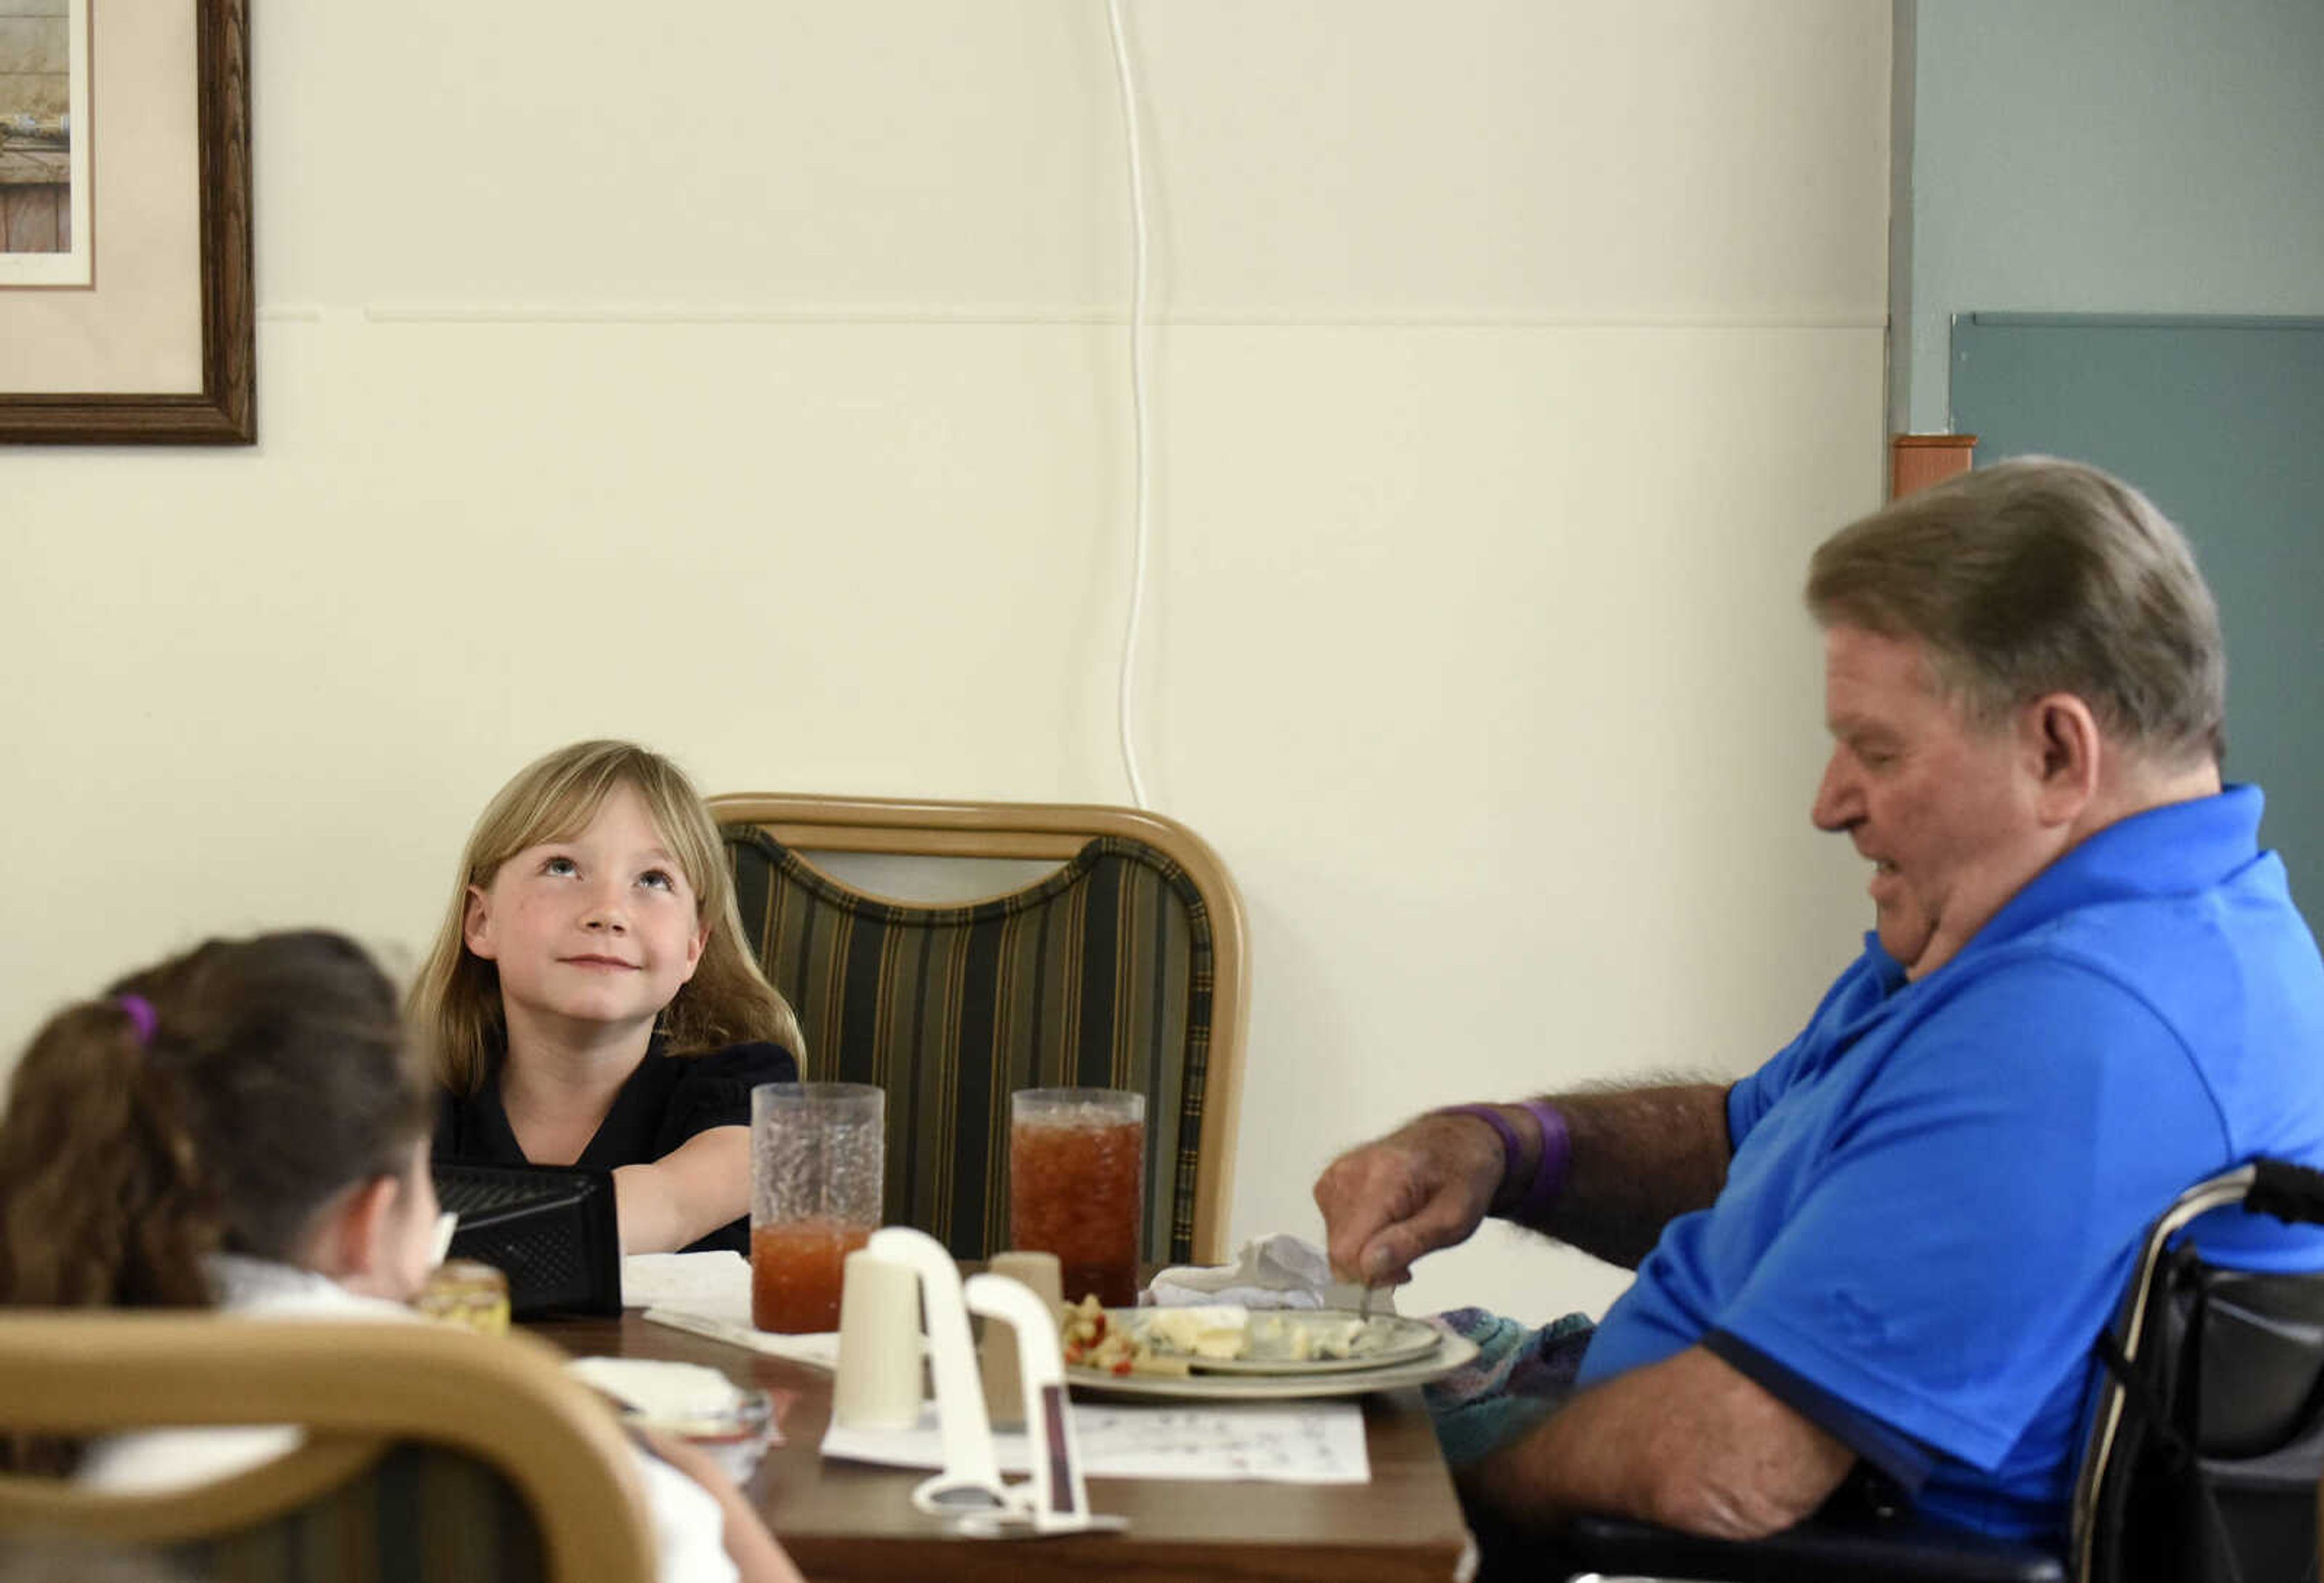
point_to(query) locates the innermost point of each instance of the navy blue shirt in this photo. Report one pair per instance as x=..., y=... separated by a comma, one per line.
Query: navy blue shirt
x=668, y=1099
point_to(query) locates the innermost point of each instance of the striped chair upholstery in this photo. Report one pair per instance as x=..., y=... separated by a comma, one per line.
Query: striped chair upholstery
x=420, y=1514
x=1104, y=974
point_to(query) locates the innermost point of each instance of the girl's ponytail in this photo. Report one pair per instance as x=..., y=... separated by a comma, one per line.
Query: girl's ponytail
x=102, y=1196
x=214, y=1103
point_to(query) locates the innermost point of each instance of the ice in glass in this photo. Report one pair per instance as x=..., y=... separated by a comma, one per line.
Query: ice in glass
x=1077, y=1185
x=818, y=1158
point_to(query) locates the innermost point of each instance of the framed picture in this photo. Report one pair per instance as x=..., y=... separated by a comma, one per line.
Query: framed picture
x=43, y=168
x=126, y=309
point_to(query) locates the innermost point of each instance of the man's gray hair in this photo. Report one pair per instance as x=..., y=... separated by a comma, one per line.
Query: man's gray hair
x=2036, y=577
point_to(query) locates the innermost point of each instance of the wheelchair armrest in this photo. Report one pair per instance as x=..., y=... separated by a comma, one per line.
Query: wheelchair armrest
x=2290, y=1192
x=1906, y=1550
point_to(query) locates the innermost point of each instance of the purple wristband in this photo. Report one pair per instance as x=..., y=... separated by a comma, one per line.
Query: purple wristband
x=1549, y=1170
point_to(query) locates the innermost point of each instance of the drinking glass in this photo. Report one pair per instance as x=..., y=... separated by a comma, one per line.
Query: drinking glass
x=1077, y=1185
x=465, y=1292
x=818, y=1165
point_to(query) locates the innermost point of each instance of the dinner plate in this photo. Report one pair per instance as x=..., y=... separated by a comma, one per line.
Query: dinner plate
x=1449, y=1353
x=1276, y=1336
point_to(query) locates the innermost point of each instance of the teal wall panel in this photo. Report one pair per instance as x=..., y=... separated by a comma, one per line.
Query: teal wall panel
x=2220, y=421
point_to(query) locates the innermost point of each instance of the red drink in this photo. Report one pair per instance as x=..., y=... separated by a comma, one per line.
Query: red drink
x=1076, y=1188
x=795, y=1274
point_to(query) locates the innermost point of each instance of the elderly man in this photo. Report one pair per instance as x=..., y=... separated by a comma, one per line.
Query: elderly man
x=1893, y=1244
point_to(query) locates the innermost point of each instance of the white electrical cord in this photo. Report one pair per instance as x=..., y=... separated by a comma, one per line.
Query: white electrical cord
x=1139, y=526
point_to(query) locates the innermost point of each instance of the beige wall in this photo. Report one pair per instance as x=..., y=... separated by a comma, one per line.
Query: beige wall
x=754, y=384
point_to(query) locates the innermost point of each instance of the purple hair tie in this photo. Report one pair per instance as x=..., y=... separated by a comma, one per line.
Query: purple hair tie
x=140, y=1013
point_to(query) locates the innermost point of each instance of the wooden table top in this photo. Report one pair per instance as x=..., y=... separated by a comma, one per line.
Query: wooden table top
x=845, y=1522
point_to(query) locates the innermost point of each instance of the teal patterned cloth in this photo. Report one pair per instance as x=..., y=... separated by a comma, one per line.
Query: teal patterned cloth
x=1520, y=1376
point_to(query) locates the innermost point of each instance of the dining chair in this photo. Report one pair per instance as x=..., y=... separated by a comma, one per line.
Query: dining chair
x=1113, y=956
x=429, y=1453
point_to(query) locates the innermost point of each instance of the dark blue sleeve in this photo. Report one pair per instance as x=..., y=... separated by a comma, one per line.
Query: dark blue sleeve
x=714, y=1089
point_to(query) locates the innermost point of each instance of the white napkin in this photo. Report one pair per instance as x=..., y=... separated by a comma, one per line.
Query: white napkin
x=1281, y=1271
x=712, y=1281
x=709, y=1294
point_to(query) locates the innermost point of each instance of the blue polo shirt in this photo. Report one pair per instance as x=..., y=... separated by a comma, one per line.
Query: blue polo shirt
x=1937, y=1187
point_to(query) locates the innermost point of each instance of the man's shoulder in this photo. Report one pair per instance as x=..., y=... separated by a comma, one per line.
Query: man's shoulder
x=2078, y=1017
x=2211, y=966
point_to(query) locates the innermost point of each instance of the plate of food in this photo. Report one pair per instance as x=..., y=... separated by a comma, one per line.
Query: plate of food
x=1225, y=1353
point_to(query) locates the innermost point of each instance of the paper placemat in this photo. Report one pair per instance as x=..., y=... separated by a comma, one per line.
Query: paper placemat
x=709, y=1294
x=820, y=1350
x=1306, y=1443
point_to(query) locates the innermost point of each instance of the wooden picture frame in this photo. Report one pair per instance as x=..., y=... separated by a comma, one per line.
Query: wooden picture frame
x=223, y=410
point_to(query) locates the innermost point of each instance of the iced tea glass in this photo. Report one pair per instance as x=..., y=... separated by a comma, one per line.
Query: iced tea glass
x=1077, y=1185
x=818, y=1159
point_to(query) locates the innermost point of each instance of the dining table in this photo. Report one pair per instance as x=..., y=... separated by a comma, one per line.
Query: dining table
x=853, y=1523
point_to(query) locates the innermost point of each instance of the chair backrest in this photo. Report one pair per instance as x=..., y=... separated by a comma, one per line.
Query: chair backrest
x=1124, y=968
x=2207, y=1448
x=429, y=1453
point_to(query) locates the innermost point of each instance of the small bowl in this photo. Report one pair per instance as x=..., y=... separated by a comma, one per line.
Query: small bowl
x=750, y=1417
x=735, y=1425
x=734, y=1439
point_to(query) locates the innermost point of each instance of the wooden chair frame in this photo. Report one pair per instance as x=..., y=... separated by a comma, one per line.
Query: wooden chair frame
x=358, y=1388
x=1052, y=831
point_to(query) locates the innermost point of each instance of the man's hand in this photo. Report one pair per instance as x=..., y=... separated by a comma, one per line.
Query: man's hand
x=1636, y=1157
x=1424, y=1186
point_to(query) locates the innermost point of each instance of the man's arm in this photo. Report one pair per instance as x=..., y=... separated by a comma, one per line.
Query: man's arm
x=1688, y=1442
x=1637, y=1157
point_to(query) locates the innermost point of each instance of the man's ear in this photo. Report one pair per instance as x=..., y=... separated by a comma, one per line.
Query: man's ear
x=2064, y=750
x=475, y=920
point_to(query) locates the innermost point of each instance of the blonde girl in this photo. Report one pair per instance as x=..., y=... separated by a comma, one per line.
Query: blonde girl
x=588, y=1001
